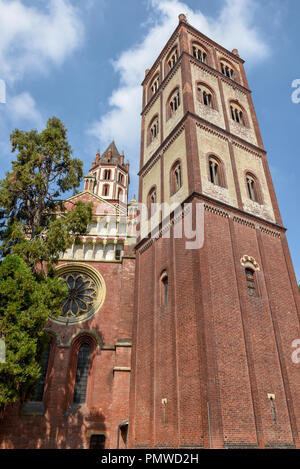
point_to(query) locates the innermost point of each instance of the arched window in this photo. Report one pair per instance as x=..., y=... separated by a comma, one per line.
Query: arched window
x=152, y=200
x=216, y=171
x=199, y=53
x=227, y=69
x=39, y=393
x=153, y=129
x=154, y=85
x=173, y=103
x=253, y=188
x=251, y=282
x=105, y=190
x=205, y=95
x=164, y=288
x=238, y=114
x=82, y=371
x=121, y=178
x=175, y=177
x=107, y=174
x=171, y=60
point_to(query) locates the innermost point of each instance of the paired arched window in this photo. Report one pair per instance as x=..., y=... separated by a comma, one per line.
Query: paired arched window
x=199, y=53
x=175, y=177
x=253, y=188
x=153, y=129
x=173, y=103
x=238, y=114
x=107, y=174
x=216, y=171
x=82, y=371
x=164, y=289
x=206, y=95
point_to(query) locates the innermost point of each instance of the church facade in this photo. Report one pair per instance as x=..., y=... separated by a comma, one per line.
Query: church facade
x=160, y=344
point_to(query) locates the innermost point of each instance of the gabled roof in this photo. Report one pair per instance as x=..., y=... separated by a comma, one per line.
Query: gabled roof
x=98, y=202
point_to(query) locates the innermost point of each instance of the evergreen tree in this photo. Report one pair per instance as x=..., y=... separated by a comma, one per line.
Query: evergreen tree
x=35, y=229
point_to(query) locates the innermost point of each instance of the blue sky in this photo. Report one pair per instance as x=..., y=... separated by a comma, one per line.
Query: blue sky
x=83, y=61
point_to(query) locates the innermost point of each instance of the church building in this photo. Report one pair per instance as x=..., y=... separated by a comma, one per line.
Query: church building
x=159, y=345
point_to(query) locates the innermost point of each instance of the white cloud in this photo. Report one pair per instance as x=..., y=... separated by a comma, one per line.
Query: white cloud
x=22, y=108
x=233, y=27
x=31, y=39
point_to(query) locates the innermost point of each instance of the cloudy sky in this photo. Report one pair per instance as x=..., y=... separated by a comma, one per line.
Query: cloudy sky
x=83, y=61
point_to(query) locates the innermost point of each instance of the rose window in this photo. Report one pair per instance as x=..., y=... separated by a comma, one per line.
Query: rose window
x=81, y=296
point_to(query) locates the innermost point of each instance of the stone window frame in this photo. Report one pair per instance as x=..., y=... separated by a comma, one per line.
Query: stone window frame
x=249, y=263
x=153, y=190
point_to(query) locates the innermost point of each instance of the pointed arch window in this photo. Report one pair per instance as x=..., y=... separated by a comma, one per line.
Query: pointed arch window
x=175, y=177
x=82, y=371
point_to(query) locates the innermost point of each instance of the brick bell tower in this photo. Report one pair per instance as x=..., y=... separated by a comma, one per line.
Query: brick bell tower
x=213, y=327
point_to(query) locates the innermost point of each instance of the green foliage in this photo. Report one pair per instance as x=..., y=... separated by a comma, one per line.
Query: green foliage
x=30, y=197
x=35, y=230
x=25, y=306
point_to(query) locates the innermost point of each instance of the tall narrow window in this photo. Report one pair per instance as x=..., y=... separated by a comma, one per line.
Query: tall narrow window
x=82, y=374
x=199, y=54
x=176, y=178
x=121, y=178
x=252, y=188
x=107, y=173
x=214, y=171
x=164, y=289
x=152, y=200
x=251, y=284
x=42, y=379
x=105, y=190
x=120, y=194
